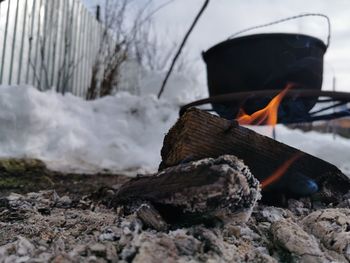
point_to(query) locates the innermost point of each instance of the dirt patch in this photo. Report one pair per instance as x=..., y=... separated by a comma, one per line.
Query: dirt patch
x=30, y=175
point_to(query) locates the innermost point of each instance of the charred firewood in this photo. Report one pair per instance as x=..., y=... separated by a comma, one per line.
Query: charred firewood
x=151, y=217
x=198, y=134
x=205, y=191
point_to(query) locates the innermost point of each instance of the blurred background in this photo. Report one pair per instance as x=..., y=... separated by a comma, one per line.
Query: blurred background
x=222, y=18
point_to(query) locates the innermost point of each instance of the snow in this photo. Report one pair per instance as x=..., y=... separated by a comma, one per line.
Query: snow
x=120, y=133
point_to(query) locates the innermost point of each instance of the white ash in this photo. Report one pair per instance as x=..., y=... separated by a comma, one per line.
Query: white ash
x=88, y=234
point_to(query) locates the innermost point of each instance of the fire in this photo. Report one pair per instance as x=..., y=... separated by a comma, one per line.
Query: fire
x=268, y=116
x=265, y=116
x=280, y=171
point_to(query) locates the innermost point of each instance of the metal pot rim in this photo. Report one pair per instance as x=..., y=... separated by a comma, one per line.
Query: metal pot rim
x=239, y=40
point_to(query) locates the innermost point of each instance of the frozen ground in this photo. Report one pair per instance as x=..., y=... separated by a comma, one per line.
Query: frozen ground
x=119, y=133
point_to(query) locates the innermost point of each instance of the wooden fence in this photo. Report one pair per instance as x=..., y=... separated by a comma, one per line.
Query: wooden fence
x=48, y=44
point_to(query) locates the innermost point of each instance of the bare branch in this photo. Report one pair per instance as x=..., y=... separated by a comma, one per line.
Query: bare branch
x=181, y=47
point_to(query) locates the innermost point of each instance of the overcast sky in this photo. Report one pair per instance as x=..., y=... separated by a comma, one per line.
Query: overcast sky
x=224, y=17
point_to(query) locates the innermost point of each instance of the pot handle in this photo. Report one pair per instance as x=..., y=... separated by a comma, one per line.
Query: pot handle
x=287, y=19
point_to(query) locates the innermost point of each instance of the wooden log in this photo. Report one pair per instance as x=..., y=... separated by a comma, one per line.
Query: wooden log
x=221, y=188
x=198, y=134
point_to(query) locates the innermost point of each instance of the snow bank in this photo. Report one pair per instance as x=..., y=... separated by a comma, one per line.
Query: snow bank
x=118, y=133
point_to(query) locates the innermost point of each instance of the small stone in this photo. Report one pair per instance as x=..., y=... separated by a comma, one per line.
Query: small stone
x=14, y=197
x=22, y=259
x=24, y=247
x=128, y=253
x=45, y=257
x=151, y=217
x=98, y=249
x=10, y=259
x=42, y=248
x=301, y=246
x=59, y=245
x=4, y=203
x=93, y=259
x=232, y=230
x=64, y=201
x=272, y=214
x=110, y=234
x=61, y=258
x=44, y=210
x=78, y=250
x=116, y=187
x=111, y=253
x=299, y=207
x=127, y=231
x=332, y=227
x=110, y=192
x=186, y=245
x=50, y=195
x=6, y=250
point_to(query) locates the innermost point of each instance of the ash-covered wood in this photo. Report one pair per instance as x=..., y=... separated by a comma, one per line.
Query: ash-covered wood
x=151, y=217
x=205, y=189
x=198, y=134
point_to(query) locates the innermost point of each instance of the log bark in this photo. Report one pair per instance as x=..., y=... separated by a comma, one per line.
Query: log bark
x=221, y=188
x=198, y=134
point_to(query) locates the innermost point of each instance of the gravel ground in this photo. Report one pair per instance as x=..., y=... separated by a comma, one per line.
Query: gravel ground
x=45, y=227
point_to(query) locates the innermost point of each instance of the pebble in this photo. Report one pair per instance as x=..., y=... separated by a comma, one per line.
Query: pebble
x=24, y=247
x=64, y=201
x=98, y=249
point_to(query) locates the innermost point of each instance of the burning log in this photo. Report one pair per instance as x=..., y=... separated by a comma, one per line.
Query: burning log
x=284, y=169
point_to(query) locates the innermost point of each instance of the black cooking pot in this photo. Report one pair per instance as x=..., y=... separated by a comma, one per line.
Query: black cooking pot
x=261, y=62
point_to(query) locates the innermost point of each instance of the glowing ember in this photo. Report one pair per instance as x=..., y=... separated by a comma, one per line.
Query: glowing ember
x=280, y=171
x=265, y=116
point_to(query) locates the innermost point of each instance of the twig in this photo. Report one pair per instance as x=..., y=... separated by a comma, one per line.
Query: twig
x=181, y=47
x=156, y=10
x=35, y=74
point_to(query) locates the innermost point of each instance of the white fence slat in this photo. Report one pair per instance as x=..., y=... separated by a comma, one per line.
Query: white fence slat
x=48, y=43
x=4, y=50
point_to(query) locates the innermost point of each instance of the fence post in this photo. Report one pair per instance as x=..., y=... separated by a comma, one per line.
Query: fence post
x=56, y=9
x=98, y=13
x=30, y=39
x=35, y=64
x=13, y=43
x=4, y=45
x=22, y=43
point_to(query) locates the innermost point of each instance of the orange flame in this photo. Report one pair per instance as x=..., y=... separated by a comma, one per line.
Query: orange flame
x=280, y=171
x=267, y=115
